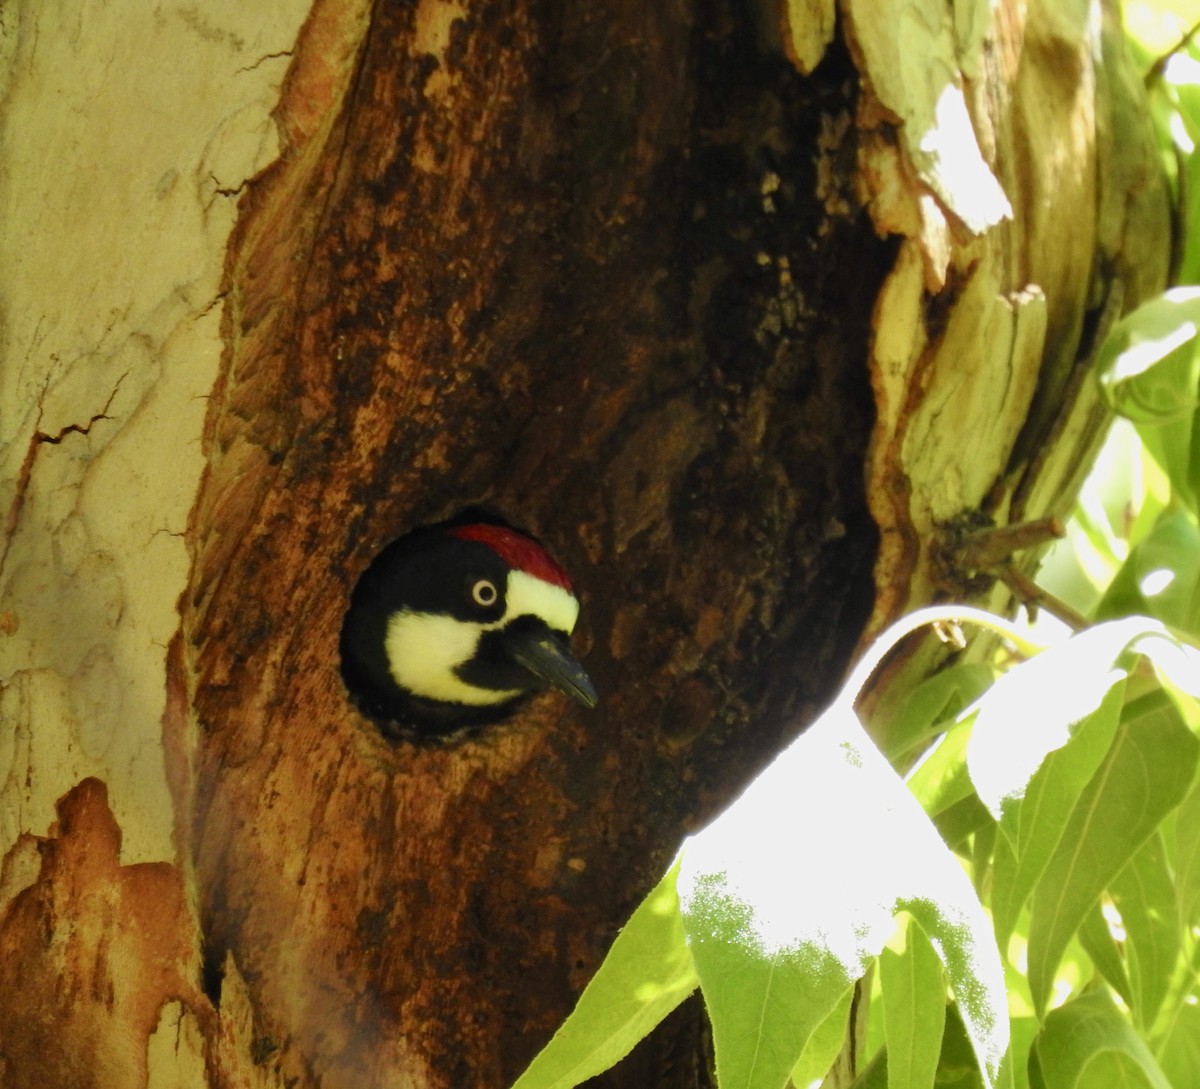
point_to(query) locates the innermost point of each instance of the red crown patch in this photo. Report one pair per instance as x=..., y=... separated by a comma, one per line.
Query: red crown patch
x=518, y=551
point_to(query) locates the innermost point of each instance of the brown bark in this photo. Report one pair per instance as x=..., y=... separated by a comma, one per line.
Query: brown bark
x=694, y=317
x=549, y=273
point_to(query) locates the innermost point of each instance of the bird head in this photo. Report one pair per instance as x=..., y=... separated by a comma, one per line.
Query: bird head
x=456, y=624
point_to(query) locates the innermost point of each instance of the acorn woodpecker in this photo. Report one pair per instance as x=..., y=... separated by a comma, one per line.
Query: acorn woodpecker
x=456, y=624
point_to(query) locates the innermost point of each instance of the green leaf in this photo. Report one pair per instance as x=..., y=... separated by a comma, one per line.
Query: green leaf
x=1089, y=1043
x=1009, y=891
x=961, y=820
x=1186, y=700
x=1161, y=577
x=1145, y=775
x=1036, y=824
x=1032, y=709
x=825, y=1043
x=1118, y=1068
x=875, y=1075
x=777, y=934
x=1186, y=857
x=931, y=703
x=914, y=1010
x=1097, y=940
x=1144, y=893
x=1174, y=445
x=1180, y=1051
x=647, y=973
x=955, y=1067
x=1149, y=368
x=1177, y=667
x=1026, y=719
x=1149, y=372
x=982, y=847
x=1189, y=265
x=980, y=1000
x=940, y=779
x=1016, y=1062
x=764, y=1001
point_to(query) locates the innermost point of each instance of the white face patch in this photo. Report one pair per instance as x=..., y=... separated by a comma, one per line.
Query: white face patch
x=425, y=649
x=527, y=596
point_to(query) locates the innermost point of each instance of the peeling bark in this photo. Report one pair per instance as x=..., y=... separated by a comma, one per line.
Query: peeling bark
x=91, y=951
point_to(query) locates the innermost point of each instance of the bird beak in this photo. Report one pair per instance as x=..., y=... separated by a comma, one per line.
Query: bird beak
x=546, y=656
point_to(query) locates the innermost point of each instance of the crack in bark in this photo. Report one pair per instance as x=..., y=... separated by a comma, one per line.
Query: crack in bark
x=37, y=440
x=263, y=60
x=227, y=191
x=217, y=301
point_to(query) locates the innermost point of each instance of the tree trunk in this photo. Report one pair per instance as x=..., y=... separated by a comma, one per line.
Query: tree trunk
x=737, y=310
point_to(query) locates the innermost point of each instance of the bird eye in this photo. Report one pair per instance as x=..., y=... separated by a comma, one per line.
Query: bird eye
x=485, y=593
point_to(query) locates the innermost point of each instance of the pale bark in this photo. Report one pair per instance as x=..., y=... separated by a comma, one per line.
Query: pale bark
x=129, y=130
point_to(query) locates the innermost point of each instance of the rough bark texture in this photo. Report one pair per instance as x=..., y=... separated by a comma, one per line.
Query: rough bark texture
x=686, y=289
x=549, y=271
